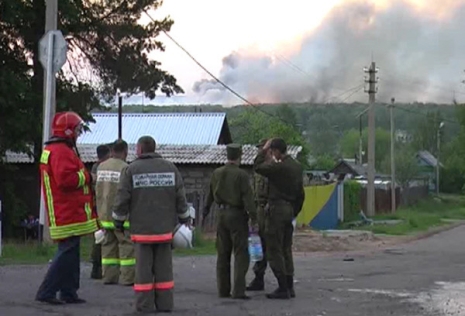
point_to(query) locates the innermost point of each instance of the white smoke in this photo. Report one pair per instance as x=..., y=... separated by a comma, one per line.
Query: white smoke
x=420, y=59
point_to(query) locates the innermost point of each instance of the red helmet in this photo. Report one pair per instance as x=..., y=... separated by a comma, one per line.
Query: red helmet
x=67, y=125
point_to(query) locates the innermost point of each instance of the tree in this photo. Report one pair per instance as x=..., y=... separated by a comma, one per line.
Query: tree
x=406, y=165
x=349, y=144
x=426, y=132
x=103, y=37
x=252, y=125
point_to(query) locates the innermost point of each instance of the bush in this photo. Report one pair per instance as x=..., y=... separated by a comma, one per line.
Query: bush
x=352, y=205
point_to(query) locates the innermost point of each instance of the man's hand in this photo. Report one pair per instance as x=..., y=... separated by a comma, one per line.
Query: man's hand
x=253, y=226
x=267, y=144
x=119, y=225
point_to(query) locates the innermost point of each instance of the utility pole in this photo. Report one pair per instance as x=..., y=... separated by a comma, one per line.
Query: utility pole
x=393, y=164
x=372, y=89
x=360, y=140
x=120, y=115
x=438, y=164
x=51, y=13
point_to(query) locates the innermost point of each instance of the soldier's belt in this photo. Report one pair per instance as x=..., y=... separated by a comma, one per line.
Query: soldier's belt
x=226, y=206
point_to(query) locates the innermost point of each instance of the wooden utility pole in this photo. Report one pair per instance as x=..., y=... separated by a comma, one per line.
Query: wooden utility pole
x=372, y=89
x=393, y=165
x=120, y=116
x=51, y=14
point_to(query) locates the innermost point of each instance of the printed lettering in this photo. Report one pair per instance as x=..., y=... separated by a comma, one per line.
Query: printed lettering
x=148, y=180
x=108, y=176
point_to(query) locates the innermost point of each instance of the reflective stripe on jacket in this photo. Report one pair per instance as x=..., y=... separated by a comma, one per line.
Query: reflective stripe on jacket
x=66, y=187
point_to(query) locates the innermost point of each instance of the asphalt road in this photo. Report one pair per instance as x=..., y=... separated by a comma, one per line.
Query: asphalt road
x=420, y=278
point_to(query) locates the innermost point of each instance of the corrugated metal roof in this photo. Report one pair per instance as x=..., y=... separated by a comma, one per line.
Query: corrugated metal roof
x=166, y=128
x=428, y=158
x=178, y=154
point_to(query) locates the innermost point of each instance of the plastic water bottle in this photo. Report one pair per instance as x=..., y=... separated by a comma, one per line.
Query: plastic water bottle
x=255, y=247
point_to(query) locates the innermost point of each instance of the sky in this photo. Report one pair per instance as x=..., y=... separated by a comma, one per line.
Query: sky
x=313, y=50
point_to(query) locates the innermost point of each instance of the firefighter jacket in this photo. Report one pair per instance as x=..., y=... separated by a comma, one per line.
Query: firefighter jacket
x=106, y=187
x=152, y=192
x=66, y=186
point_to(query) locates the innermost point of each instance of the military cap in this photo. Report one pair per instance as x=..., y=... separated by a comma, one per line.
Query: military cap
x=233, y=151
x=262, y=142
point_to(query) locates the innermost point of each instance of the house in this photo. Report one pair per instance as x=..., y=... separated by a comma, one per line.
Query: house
x=427, y=164
x=166, y=128
x=196, y=153
x=348, y=168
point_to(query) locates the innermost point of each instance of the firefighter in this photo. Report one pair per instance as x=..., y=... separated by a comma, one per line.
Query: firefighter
x=285, y=199
x=150, y=194
x=68, y=199
x=103, y=153
x=261, y=200
x=231, y=191
x=117, y=249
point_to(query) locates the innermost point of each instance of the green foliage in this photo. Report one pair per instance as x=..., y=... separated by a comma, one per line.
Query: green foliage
x=103, y=36
x=426, y=132
x=251, y=125
x=406, y=164
x=425, y=215
x=352, y=204
x=324, y=162
x=349, y=144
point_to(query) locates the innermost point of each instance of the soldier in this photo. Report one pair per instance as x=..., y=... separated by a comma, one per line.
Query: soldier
x=285, y=200
x=103, y=153
x=151, y=192
x=117, y=248
x=261, y=199
x=231, y=191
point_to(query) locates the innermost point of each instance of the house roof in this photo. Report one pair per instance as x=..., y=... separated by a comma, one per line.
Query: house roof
x=427, y=157
x=166, y=128
x=178, y=154
x=357, y=169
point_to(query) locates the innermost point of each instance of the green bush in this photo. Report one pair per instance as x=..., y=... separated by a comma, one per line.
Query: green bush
x=352, y=200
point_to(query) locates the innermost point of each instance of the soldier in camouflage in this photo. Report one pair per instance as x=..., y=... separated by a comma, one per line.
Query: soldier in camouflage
x=261, y=200
x=230, y=189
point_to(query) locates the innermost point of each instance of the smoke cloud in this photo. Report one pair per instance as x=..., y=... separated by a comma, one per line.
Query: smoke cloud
x=421, y=57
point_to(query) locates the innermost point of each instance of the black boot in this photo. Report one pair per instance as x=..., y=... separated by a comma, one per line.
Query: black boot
x=282, y=292
x=290, y=285
x=257, y=284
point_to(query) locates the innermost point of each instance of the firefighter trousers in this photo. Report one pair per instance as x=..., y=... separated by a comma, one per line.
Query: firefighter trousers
x=154, y=277
x=118, y=263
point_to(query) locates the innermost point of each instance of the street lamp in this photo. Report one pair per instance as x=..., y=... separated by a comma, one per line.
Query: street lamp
x=441, y=125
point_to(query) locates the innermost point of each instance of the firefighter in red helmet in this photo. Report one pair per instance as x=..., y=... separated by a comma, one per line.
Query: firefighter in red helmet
x=67, y=193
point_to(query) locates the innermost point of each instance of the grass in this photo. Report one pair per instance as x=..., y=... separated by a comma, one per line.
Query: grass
x=427, y=214
x=33, y=253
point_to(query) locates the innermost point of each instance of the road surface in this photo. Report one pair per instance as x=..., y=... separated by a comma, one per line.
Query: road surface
x=425, y=277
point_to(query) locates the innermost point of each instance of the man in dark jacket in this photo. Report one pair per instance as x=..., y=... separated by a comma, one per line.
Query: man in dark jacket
x=285, y=199
x=150, y=195
x=103, y=153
